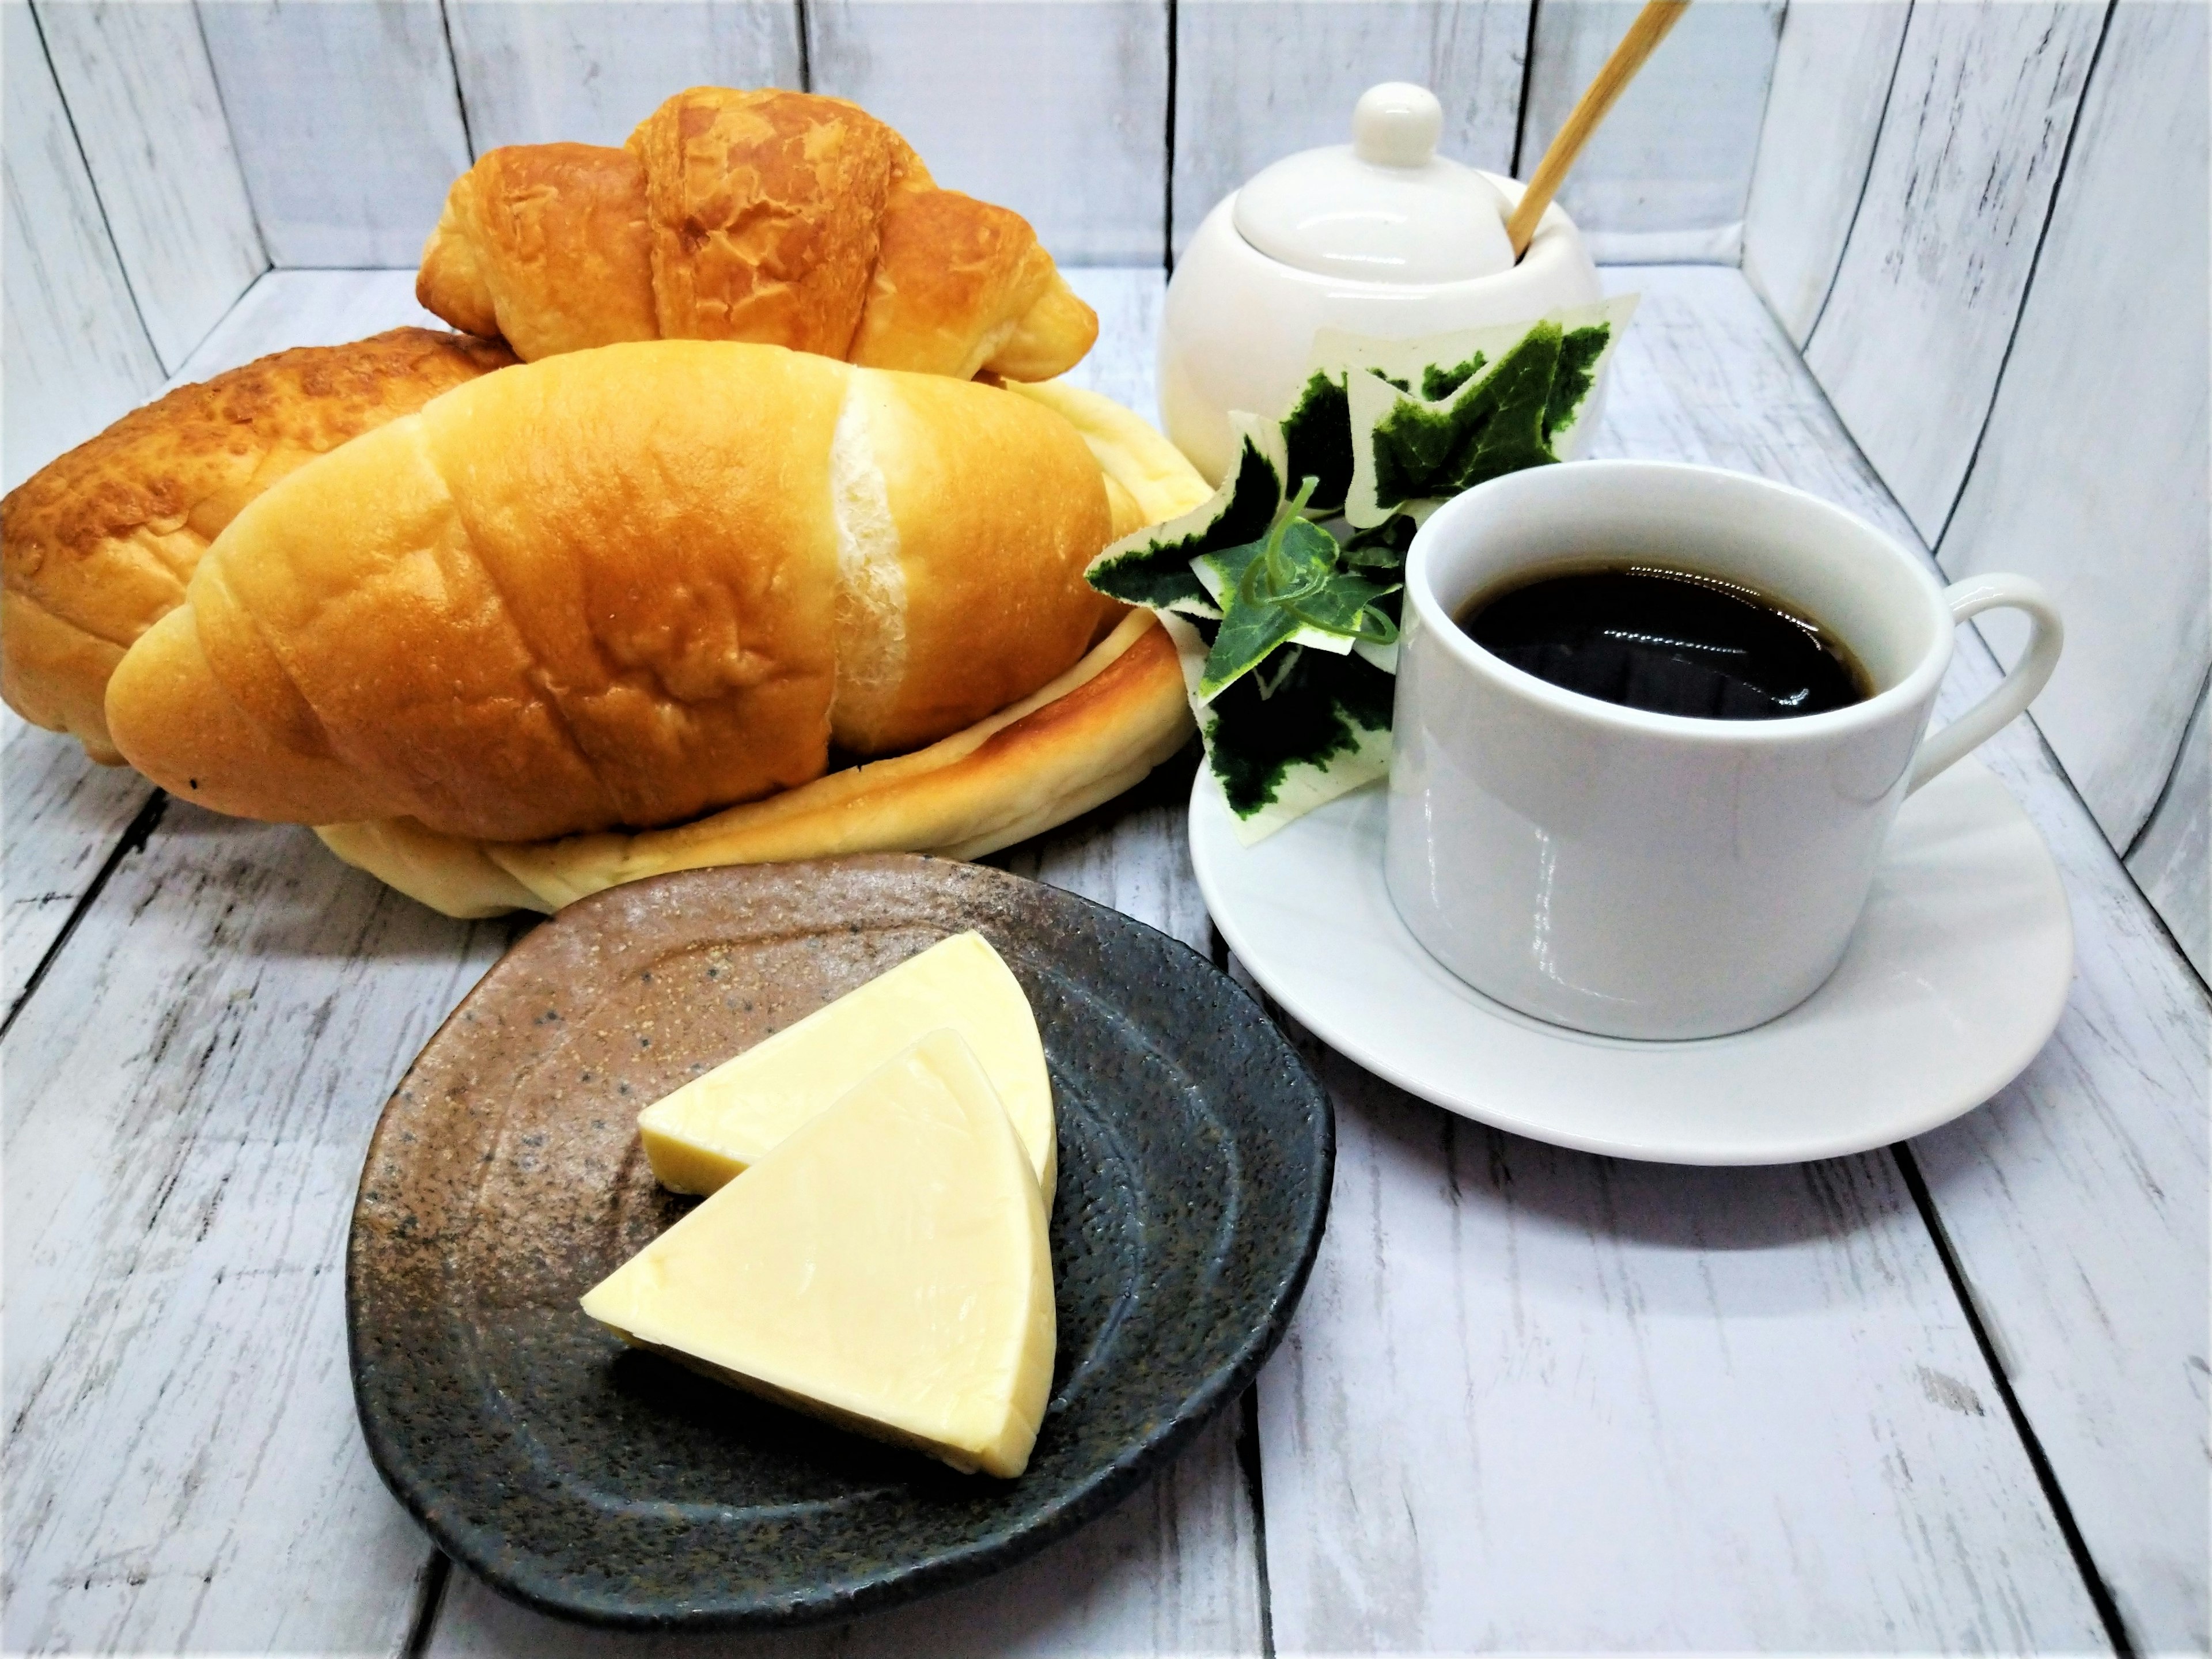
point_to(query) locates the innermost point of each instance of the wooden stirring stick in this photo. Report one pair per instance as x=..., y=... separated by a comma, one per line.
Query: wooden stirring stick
x=1641, y=39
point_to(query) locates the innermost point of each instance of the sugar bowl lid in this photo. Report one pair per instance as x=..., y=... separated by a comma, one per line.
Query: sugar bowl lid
x=1386, y=208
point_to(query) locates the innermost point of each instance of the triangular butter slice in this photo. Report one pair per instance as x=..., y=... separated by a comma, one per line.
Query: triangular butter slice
x=886, y=1267
x=715, y=1125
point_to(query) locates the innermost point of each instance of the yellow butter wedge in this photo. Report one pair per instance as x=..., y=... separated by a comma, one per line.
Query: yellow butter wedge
x=885, y=1267
x=711, y=1128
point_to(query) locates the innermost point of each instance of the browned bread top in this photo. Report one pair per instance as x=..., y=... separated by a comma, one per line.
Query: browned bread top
x=778, y=217
x=99, y=545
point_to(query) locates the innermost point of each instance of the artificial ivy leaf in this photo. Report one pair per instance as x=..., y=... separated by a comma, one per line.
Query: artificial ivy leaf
x=1322, y=732
x=1306, y=556
x=1153, y=565
x=1579, y=352
x=1440, y=383
x=1317, y=440
x=1493, y=423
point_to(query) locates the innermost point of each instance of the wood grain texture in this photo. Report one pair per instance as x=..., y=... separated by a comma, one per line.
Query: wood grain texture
x=2095, y=473
x=1538, y=1400
x=1668, y=175
x=74, y=354
x=1055, y=108
x=2077, y=1204
x=2170, y=861
x=59, y=818
x=1256, y=81
x=190, y=1091
x=590, y=70
x=1831, y=78
x=346, y=123
x=1931, y=280
x=308, y=308
x=136, y=77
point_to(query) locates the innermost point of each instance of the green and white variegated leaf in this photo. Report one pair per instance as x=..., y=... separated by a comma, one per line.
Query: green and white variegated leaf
x=1339, y=707
x=1294, y=715
x=1153, y=565
x=1432, y=418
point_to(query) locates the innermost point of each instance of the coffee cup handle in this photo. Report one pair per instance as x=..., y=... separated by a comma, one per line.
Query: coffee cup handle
x=2046, y=634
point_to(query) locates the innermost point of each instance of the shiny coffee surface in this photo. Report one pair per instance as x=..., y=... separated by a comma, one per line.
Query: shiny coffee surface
x=1667, y=641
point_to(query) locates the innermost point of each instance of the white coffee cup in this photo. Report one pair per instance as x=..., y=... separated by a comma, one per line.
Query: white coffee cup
x=1645, y=875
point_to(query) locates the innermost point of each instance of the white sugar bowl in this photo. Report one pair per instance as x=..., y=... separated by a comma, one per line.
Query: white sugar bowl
x=1381, y=237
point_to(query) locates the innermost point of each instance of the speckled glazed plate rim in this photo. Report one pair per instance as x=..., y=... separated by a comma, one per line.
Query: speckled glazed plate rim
x=1103, y=1486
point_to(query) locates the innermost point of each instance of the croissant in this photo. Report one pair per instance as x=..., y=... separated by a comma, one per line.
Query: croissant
x=778, y=217
x=623, y=587
x=97, y=547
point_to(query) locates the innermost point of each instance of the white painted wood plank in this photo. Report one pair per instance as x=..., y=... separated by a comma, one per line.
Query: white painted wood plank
x=1256, y=81
x=1055, y=108
x=1931, y=280
x=288, y=308
x=59, y=818
x=1668, y=175
x=190, y=1092
x=589, y=70
x=1123, y=365
x=73, y=352
x=2077, y=1203
x=1831, y=80
x=136, y=77
x=1537, y=1399
x=346, y=121
x=2171, y=862
x=2095, y=474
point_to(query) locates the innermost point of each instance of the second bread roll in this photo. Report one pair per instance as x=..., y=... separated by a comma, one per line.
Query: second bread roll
x=621, y=587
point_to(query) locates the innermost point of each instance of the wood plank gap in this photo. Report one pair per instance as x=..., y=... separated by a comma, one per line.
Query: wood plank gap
x=429, y=1601
x=453, y=69
x=1166, y=183
x=1528, y=73
x=122, y=266
x=2093, y=1581
x=1865, y=178
x=133, y=839
x=805, y=45
x=2165, y=789
x=2027, y=289
x=2059, y=766
x=1248, y=1460
x=228, y=312
x=230, y=128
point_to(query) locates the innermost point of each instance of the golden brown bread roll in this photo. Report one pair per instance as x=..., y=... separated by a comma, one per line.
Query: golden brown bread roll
x=1073, y=745
x=98, y=546
x=621, y=587
x=778, y=217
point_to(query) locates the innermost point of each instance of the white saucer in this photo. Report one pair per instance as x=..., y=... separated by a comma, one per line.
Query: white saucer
x=1953, y=980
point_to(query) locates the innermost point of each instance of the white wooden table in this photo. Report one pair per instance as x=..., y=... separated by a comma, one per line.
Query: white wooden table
x=1949, y=1395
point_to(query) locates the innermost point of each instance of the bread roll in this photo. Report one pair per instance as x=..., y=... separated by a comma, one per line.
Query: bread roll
x=1072, y=745
x=621, y=587
x=777, y=217
x=98, y=546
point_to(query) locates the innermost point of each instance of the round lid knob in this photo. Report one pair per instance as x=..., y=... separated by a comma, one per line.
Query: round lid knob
x=1384, y=207
x=1397, y=124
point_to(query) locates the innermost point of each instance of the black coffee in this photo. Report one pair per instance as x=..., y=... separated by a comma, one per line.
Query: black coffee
x=1671, y=641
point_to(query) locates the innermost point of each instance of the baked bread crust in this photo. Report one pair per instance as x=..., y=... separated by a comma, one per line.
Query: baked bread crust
x=624, y=586
x=778, y=217
x=99, y=545
x=1072, y=745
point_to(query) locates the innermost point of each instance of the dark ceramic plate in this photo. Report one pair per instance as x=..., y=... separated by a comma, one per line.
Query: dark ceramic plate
x=506, y=1178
